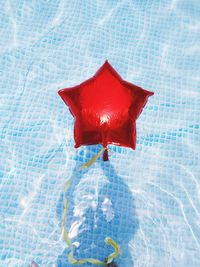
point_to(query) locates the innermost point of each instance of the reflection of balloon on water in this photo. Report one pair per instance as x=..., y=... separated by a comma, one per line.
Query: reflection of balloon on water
x=105, y=109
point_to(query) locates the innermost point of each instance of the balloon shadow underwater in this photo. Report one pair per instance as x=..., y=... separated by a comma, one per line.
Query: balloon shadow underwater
x=114, y=216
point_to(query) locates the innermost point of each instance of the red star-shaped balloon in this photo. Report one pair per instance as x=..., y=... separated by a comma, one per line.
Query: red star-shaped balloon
x=105, y=109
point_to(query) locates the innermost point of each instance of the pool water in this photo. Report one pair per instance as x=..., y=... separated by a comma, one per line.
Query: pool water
x=147, y=199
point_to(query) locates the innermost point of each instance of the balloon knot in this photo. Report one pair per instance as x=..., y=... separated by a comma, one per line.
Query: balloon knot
x=105, y=155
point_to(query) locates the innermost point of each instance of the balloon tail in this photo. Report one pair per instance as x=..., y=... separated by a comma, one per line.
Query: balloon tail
x=105, y=154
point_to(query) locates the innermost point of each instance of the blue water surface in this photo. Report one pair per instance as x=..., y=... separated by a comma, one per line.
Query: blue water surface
x=147, y=199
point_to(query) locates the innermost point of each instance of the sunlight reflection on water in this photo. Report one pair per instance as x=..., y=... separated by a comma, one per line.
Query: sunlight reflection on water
x=49, y=45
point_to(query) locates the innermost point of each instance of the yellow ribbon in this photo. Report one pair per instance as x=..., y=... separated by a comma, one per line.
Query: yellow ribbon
x=92, y=160
x=65, y=234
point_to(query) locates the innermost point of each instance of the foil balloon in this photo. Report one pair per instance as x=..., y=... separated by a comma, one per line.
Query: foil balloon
x=105, y=109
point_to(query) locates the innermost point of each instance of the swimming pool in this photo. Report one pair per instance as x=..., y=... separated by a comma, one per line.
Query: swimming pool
x=148, y=199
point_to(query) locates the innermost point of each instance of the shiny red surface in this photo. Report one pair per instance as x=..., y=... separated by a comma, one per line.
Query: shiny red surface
x=105, y=109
